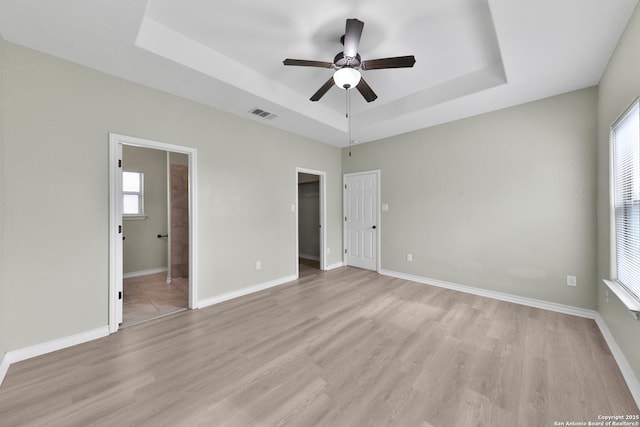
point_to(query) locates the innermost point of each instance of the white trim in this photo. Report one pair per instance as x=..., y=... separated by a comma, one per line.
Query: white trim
x=193, y=227
x=323, y=218
x=115, y=267
x=4, y=367
x=144, y=272
x=624, y=296
x=626, y=112
x=126, y=217
x=335, y=265
x=530, y=302
x=379, y=222
x=309, y=257
x=628, y=374
x=49, y=347
x=245, y=291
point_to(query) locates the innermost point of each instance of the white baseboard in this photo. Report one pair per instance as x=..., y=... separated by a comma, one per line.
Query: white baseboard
x=245, y=291
x=4, y=367
x=144, y=272
x=48, y=347
x=628, y=374
x=335, y=265
x=545, y=305
x=309, y=256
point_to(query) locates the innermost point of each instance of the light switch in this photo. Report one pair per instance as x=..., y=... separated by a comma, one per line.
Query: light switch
x=385, y=207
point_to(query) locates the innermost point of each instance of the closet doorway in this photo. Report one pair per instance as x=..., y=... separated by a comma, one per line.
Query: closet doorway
x=311, y=234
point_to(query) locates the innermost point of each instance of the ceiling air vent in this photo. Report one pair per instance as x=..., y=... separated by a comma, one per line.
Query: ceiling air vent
x=261, y=113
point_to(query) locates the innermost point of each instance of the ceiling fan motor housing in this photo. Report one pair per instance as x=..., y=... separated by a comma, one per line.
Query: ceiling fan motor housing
x=341, y=61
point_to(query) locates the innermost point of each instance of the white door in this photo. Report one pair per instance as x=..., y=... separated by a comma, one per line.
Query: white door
x=169, y=218
x=361, y=220
x=116, y=297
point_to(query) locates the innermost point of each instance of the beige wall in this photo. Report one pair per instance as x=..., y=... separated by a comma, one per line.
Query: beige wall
x=142, y=248
x=58, y=116
x=4, y=345
x=503, y=201
x=619, y=86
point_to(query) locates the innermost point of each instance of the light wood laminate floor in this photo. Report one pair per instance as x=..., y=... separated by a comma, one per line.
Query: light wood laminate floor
x=341, y=348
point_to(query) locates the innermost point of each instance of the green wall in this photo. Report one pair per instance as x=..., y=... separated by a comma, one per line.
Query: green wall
x=619, y=86
x=58, y=116
x=504, y=201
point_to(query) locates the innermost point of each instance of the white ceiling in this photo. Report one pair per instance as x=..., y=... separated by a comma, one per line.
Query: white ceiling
x=472, y=56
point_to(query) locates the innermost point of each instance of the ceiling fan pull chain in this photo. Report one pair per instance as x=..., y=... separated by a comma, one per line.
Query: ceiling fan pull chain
x=349, y=118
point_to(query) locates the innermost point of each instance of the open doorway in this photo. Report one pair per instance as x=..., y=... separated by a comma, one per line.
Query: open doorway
x=310, y=221
x=152, y=254
x=155, y=233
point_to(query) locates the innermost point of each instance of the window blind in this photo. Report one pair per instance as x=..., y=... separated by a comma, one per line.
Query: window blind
x=625, y=135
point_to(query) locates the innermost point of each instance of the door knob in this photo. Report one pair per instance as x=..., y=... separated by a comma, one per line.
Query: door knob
x=374, y=227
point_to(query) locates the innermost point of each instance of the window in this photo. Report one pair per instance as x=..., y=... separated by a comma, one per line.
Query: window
x=132, y=194
x=625, y=137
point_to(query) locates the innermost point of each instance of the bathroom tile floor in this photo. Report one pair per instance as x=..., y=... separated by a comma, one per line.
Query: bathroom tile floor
x=149, y=297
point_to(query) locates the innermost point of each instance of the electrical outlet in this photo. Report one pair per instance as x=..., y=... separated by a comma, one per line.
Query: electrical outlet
x=258, y=265
x=409, y=257
x=572, y=281
x=328, y=251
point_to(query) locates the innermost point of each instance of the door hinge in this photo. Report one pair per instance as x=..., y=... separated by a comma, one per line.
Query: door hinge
x=119, y=163
x=119, y=229
x=345, y=186
x=345, y=219
x=345, y=251
x=119, y=294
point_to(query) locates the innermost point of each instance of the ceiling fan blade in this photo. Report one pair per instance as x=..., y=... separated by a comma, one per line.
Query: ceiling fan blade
x=366, y=91
x=352, y=37
x=305, y=63
x=395, y=62
x=324, y=89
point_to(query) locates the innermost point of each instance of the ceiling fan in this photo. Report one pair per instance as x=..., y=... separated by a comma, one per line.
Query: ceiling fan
x=348, y=63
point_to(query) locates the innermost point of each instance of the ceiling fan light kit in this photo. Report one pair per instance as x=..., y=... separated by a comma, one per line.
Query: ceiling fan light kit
x=348, y=64
x=347, y=78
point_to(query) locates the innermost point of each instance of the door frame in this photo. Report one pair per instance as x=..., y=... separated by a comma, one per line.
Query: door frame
x=116, y=142
x=377, y=208
x=323, y=217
